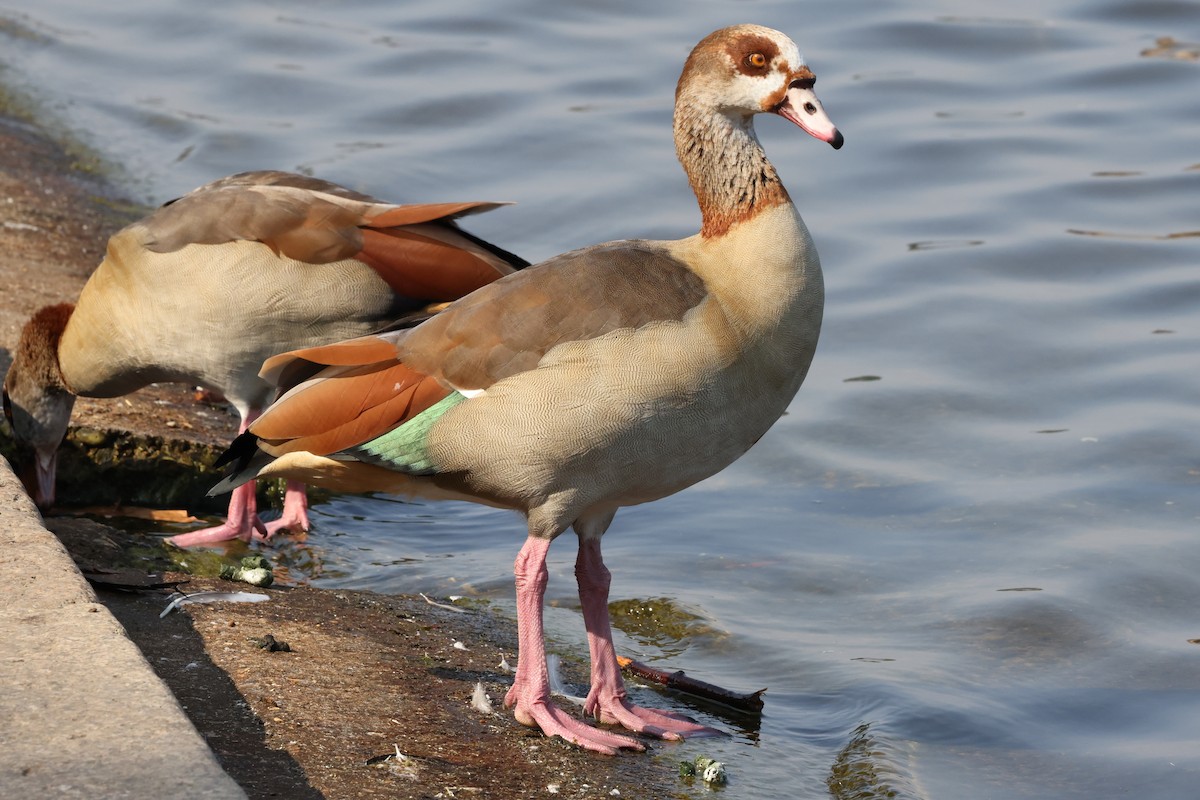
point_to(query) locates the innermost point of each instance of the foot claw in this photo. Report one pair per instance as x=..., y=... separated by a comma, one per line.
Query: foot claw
x=553, y=721
x=277, y=526
x=651, y=722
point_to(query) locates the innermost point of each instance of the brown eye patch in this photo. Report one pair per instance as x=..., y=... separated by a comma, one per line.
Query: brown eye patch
x=753, y=54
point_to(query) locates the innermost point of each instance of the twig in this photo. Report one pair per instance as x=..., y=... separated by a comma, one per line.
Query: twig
x=678, y=680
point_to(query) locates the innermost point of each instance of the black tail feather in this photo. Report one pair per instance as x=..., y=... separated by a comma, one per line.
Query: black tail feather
x=239, y=453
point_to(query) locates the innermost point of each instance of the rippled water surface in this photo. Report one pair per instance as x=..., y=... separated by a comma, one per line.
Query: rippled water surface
x=966, y=563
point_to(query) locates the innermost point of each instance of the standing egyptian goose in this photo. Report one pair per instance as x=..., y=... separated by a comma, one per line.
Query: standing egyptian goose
x=210, y=285
x=602, y=378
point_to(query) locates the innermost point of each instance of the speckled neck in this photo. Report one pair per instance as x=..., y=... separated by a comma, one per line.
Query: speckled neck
x=726, y=166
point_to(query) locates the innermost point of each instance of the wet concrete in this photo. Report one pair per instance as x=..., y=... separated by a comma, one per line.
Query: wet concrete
x=81, y=714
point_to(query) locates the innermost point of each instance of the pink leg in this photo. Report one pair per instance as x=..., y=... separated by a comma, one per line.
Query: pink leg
x=295, y=511
x=241, y=522
x=530, y=692
x=606, y=701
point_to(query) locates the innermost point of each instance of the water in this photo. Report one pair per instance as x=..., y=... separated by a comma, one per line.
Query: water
x=973, y=577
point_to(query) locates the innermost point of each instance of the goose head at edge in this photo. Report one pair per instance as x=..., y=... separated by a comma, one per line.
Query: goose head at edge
x=37, y=401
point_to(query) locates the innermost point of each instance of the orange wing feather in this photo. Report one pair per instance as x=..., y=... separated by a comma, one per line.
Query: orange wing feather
x=364, y=391
x=422, y=267
x=363, y=350
x=342, y=410
x=426, y=212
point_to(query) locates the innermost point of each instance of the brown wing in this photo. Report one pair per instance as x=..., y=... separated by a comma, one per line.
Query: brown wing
x=508, y=326
x=417, y=249
x=341, y=395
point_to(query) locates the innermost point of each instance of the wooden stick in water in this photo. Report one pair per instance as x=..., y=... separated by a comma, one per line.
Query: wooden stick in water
x=678, y=680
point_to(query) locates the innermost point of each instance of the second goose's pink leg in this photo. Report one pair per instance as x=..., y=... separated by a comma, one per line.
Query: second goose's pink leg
x=606, y=700
x=241, y=522
x=295, y=511
x=530, y=692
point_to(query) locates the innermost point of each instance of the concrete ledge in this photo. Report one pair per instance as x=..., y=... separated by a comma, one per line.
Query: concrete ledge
x=82, y=715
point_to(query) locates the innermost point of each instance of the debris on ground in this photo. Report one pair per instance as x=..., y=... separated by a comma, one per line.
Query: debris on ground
x=254, y=570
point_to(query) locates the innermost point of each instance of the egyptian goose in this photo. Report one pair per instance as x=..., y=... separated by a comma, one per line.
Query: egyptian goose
x=601, y=378
x=208, y=286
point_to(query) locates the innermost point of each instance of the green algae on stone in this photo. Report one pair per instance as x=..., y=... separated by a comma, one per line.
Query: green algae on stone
x=657, y=622
x=90, y=437
x=254, y=570
x=867, y=769
x=201, y=563
x=707, y=769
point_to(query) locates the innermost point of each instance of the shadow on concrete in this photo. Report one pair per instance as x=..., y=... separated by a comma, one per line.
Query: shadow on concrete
x=209, y=697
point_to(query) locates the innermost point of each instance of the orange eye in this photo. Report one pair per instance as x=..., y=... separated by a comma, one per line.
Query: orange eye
x=756, y=60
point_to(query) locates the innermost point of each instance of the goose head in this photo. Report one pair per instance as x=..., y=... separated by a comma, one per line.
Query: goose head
x=731, y=76
x=37, y=402
x=745, y=70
